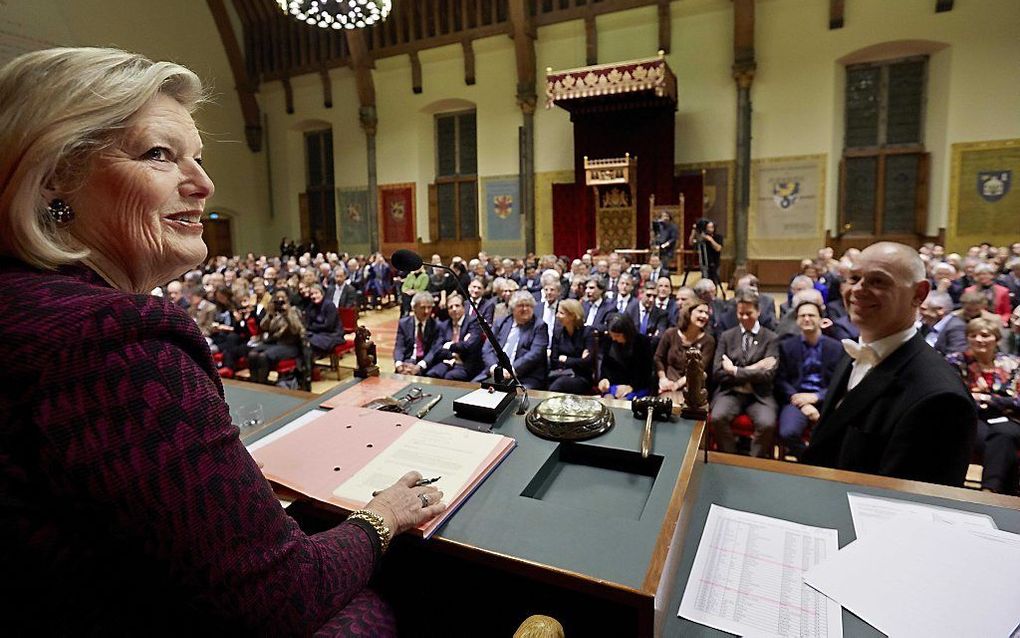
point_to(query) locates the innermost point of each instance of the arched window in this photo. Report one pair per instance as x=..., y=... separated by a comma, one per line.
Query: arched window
x=884, y=171
x=456, y=186
x=319, y=191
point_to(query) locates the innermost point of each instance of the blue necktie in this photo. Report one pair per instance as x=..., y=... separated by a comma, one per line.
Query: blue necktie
x=644, y=322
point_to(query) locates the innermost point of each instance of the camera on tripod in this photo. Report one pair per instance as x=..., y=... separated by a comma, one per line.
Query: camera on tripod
x=701, y=225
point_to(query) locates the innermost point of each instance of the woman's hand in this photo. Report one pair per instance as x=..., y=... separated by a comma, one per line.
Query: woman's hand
x=665, y=385
x=401, y=505
x=623, y=390
x=604, y=386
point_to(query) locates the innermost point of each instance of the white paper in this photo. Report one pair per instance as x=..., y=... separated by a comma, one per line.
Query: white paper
x=871, y=513
x=483, y=398
x=432, y=449
x=747, y=577
x=911, y=578
x=302, y=420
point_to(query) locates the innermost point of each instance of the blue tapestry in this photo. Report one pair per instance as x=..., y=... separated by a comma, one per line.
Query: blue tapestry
x=352, y=214
x=500, y=202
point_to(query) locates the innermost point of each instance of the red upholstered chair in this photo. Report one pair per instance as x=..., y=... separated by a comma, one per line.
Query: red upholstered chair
x=742, y=426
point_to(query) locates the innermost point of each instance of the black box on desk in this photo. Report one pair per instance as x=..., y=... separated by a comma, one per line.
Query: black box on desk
x=486, y=404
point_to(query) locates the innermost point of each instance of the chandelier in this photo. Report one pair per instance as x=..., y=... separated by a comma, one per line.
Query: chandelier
x=338, y=14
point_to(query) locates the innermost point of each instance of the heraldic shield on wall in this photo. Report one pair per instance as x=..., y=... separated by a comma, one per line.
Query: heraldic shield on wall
x=983, y=202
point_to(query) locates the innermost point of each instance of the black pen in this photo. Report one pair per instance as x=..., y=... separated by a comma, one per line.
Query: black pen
x=418, y=483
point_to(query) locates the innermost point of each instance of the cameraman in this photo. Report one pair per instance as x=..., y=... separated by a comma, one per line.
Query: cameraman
x=282, y=330
x=708, y=243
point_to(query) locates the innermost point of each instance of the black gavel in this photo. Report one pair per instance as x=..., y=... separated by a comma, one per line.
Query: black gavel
x=649, y=409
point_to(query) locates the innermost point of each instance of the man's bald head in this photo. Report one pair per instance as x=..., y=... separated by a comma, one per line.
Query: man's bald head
x=886, y=286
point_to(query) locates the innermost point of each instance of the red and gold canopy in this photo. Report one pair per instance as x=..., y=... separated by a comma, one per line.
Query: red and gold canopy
x=651, y=76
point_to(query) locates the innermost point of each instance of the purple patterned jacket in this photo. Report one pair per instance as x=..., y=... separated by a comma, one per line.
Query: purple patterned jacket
x=127, y=503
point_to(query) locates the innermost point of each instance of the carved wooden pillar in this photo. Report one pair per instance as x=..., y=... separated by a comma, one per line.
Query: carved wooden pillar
x=361, y=63
x=743, y=74
x=523, y=33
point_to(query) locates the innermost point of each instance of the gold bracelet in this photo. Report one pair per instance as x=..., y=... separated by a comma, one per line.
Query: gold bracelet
x=377, y=523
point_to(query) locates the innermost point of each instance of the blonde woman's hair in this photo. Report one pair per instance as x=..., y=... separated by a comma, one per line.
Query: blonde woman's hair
x=979, y=324
x=58, y=107
x=573, y=308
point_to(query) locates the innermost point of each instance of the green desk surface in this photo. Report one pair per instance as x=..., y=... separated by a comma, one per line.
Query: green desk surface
x=807, y=500
x=572, y=527
x=274, y=404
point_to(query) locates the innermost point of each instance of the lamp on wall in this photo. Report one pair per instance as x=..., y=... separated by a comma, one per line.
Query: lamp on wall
x=338, y=14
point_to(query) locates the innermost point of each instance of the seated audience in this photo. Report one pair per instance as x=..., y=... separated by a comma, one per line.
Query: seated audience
x=619, y=377
x=746, y=359
x=340, y=293
x=948, y=281
x=941, y=329
x=623, y=297
x=547, y=307
x=797, y=284
x=649, y=319
x=476, y=302
x=281, y=332
x=502, y=290
x=414, y=282
x=524, y=339
x=766, y=306
x=997, y=295
x=1011, y=281
x=324, y=330
x=658, y=269
x=460, y=356
x=974, y=304
x=597, y=310
x=226, y=331
x=671, y=353
x=572, y=351
x=418, y=338
x=896, y=407
x=993, y=379
x=1011, y=342
x=705, y=290
x=806, y=365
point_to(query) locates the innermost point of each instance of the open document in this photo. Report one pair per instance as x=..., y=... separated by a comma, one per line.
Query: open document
x=870, y=513
x=915, y=578
x=344, y=455
x=747, y=577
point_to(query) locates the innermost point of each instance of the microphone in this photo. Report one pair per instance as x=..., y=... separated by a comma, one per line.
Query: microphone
x=410, y=261
x=406, y=260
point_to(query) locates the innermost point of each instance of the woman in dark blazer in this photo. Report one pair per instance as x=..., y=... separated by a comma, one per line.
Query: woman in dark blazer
x=626, y=370
x=572, y=352
x=322, y=323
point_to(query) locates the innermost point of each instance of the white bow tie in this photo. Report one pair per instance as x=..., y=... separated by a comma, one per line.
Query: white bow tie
x=858, y=352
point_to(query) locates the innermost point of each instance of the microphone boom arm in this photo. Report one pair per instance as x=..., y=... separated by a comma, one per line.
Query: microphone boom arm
x=501, y=356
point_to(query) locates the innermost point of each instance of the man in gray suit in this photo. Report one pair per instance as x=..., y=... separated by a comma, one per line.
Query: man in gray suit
x=942, y=330
x=745, y=365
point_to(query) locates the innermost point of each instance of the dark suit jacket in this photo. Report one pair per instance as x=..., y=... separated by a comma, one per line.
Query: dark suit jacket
x=637, y=370
x=791, y=360
x=911, y=417
x=602, y=315
x=729, y=343
x=348, y=296
x=572, y=347
x=632, y=303
x=952, y=337
x=485, y=306
x=469, y=348
x=530, y=359
x=403, y=349
x=658, y=321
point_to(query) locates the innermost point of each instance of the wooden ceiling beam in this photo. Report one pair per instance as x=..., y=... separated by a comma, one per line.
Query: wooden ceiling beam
x=836, y=14
x=361, y=64
x=522, y=30
x=469, y=62
x=591, y=40
x=665, y=26
x=242, y=83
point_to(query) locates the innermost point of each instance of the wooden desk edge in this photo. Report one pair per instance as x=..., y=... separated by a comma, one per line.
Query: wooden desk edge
x=868, y=480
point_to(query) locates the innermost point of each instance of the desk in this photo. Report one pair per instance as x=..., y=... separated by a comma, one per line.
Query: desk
x=624, y=568
x=542, y=516
x=803, y=494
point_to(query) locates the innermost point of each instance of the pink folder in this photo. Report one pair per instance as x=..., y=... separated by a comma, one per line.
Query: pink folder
x=324, y=453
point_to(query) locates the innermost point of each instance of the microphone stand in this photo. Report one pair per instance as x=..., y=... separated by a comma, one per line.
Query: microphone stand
x=501, y=356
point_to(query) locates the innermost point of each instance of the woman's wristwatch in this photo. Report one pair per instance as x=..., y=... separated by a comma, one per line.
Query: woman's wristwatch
x=377, y=523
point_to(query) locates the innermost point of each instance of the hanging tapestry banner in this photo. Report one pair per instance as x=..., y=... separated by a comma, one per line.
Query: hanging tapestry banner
x=788, y=198
x=501, y=203
x=352, y=215
x=985, y=201
x=396, y=213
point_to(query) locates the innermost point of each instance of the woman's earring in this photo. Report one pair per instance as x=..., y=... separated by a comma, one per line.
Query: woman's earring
x=60, y=212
